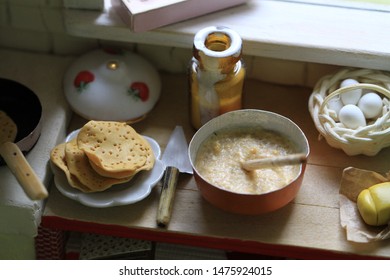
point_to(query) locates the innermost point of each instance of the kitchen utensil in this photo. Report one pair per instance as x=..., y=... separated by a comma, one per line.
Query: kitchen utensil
x=273, y=161
x=248, y=203
x=24, y=108
x=175, y=158
x=112, y=85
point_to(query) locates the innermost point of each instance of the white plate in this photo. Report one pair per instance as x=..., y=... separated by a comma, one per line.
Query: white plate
x=133, y=191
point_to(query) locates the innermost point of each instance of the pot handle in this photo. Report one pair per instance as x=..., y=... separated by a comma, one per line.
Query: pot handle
x=23, y=172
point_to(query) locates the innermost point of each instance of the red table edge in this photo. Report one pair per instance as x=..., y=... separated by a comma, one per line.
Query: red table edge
x=220, y=243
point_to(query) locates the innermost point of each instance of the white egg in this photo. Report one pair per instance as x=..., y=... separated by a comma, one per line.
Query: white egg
x=335, y=104
x=352, y=96
x=352, y=117
x=371, y=105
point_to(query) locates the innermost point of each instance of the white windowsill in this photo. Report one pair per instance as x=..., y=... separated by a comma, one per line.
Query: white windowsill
x=269, y=28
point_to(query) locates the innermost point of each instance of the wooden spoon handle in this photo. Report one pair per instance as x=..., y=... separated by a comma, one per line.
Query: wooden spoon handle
x=22, y=170
x=273, y=161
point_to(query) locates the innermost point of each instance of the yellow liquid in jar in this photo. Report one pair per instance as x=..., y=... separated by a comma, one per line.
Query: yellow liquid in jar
x=229, y=92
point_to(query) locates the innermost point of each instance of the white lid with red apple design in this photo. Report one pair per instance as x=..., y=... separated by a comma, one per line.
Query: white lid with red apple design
x=111, y=84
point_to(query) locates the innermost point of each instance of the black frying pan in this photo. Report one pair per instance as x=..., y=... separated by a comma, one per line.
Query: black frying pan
x=24, y=108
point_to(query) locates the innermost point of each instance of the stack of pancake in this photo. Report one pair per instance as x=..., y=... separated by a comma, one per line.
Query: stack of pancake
x=103, y=154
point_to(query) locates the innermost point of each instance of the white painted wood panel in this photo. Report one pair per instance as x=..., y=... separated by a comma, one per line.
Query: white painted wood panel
x=269, y=28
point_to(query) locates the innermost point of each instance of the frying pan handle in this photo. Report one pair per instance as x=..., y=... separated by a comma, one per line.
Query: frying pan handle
x=22, y=170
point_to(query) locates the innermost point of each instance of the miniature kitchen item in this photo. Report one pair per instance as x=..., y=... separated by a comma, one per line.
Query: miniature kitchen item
x=72, y=160
x=222, y=158
x=115, y=149
x=357, y=124
x=103, y=154
x=371, y=105
x=128, y=193
x=244, y=203
x=216, y=74
x=175, y=157
x=374, y=204
x=353, y=182
x=353, y=95
x=20, y=104
x=274, y=161
x=112, y=85
x=143, y=15
x=352, y=117
x=8, y=128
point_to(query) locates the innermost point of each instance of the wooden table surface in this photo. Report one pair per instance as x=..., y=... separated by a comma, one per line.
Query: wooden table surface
x=309, y=227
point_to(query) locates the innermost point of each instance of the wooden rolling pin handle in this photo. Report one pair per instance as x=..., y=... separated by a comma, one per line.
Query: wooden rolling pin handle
x=23, y=172
x=167, y=196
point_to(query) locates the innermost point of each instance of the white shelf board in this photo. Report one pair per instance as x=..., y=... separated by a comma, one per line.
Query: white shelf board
x=269, y=28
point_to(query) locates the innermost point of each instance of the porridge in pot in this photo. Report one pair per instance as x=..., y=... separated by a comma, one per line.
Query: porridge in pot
x=220, y=156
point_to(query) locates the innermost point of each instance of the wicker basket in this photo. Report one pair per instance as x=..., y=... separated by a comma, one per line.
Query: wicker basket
x=367, y=140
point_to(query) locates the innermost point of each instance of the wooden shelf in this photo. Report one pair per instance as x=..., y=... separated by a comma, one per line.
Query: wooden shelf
x=269, y=28
x=309, y=227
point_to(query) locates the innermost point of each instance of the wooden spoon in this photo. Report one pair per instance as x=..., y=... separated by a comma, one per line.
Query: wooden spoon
x=22, y=170
x=292, y=159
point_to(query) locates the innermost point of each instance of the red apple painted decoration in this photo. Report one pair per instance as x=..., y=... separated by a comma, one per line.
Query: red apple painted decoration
x=112, y=85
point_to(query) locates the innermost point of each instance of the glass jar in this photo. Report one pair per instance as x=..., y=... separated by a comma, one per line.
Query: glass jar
x=216, y=74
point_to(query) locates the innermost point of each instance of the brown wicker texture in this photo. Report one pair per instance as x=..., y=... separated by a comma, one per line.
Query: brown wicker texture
x=367, y=140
